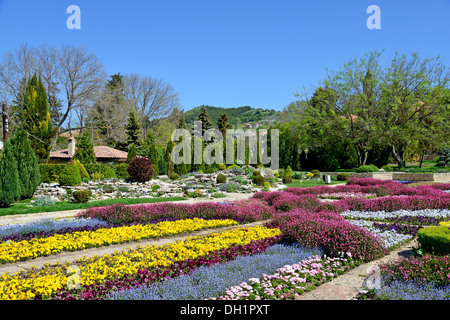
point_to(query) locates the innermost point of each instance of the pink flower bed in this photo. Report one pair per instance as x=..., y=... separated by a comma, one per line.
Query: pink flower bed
x=286, y=201
x=331, y=232
x=119, y=213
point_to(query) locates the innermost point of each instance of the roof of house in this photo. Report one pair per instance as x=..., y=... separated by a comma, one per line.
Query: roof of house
x=101, y=152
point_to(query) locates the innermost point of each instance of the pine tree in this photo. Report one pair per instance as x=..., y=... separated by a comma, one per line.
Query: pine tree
x=9, y=177
x=205, y=119
x=85, y=150
x=222, y=124
x=182, y=122
x=35, y=118
x=27, y=163
x=133, y=129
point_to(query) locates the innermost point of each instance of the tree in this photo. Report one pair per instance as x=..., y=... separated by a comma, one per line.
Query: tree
x=133, y=129
x=168, y=158
x=9, y=177
x=85, y=150
x=205, y=119
x=132, y=153
x=182, y=122
x=413, y=99
x=148, y=150
x=35, y=118
x=27, y=163
x=222, y=124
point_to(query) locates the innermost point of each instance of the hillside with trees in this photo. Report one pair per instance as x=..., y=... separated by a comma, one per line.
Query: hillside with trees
x=236, y=116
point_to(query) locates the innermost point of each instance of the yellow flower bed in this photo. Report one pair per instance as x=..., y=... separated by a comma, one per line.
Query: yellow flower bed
x=97, y=269
x=445, y=224
x=12, y=251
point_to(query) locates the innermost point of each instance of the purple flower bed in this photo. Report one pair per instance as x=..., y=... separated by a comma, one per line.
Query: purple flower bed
x=399, y=228
x=119, y=213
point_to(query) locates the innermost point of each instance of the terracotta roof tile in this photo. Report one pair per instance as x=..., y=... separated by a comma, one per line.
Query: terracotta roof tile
x=101, y=152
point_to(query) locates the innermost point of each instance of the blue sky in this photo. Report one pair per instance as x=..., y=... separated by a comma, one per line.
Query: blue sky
x=230, y=53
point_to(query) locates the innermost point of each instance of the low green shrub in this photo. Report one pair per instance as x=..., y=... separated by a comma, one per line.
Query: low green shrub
x=218, y=195
x=221, y=178
x=123, y=189
x=387, y=168
x=175, y=176
x=259, y=180
x=237, y=170
x=107, y=188
x=109, y=173
x=81, y=196
x=316, y=173
x=435, y=240
x=266, y=185
x=43, y=201
x=343, y=177
x=222, y=166
x=97, y=176
x=287, y=178
x=70, y=176
x=156, y=188
x=367, y=168
x=121, y=171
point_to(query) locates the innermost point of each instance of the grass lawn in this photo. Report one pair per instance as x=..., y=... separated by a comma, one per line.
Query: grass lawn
x=22, y=207
x=311, y=183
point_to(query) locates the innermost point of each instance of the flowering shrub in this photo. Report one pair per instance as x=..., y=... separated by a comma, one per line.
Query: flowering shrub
x=331, y=232
x=287, y=202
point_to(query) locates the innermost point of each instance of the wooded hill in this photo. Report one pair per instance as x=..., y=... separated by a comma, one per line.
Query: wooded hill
x=236, y=116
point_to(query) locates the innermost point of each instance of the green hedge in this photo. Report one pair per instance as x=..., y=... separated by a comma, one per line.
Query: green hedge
x=50, y=171
x=367, y=168
x=435, y=240
x=105, y=169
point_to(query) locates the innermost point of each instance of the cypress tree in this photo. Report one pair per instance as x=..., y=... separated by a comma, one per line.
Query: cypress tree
x=27, y=163
x=133, y=129
x=222, y=124
x=148, y=150
x=85, y=150
x=9, y=177
x=205, y=119
x=35, y=118
x=168, y=158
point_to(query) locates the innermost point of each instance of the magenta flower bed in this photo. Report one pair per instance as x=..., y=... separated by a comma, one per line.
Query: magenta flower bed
x=119, y=213
x=331, y=232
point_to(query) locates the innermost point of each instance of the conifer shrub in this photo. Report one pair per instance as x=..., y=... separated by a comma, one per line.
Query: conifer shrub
x=9, y=177
x=50, y=171
x=140, y=169
x=221, y=178
x=70, y=175
x=287, y=178
x=83, y=173
x=259, y=180
x=81, y=196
